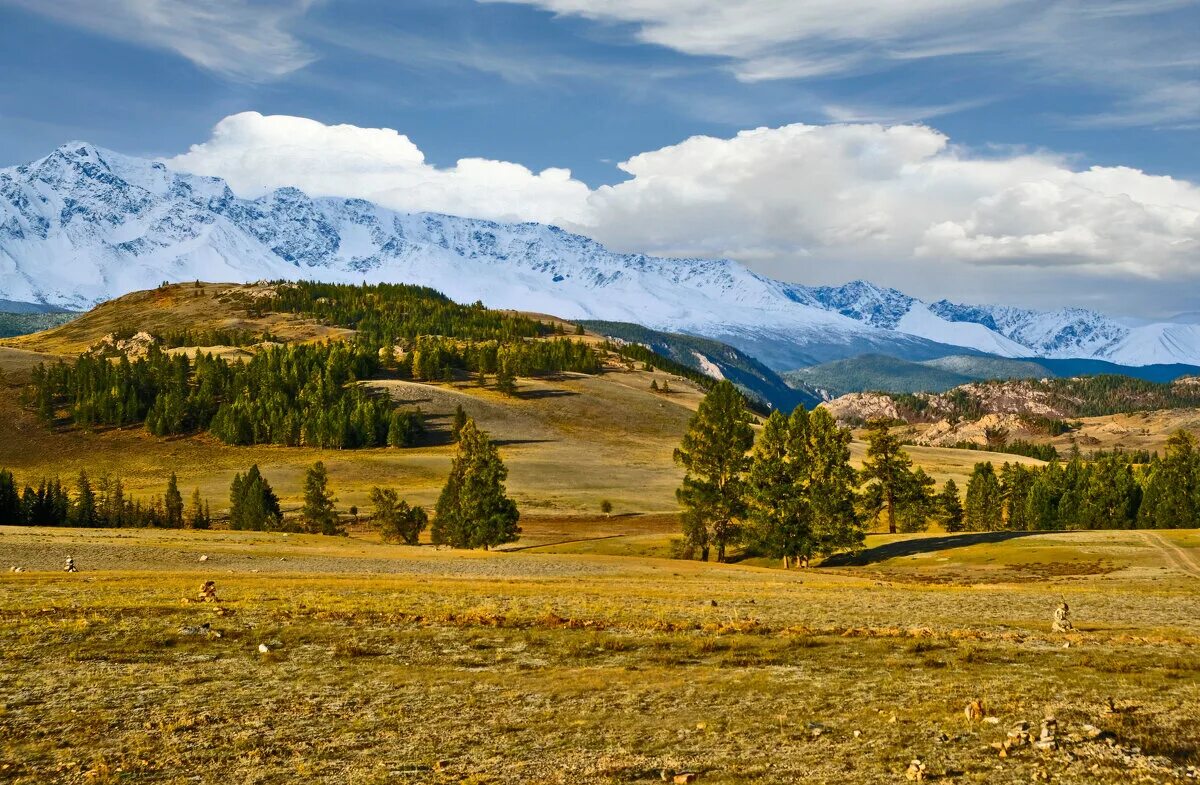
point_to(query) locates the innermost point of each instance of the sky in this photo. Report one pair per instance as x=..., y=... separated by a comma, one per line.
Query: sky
x=1039, y=153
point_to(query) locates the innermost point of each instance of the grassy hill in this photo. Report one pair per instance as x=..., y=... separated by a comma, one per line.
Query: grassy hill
x=570, y=440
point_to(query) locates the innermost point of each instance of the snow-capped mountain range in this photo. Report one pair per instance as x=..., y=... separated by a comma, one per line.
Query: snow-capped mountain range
x=86, y=224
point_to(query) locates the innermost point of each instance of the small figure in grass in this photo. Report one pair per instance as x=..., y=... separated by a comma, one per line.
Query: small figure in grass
x=70, y=565
x=1062, y=619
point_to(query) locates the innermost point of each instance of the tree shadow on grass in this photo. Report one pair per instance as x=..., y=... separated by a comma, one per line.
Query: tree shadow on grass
x=894, y=550
x=533, y=395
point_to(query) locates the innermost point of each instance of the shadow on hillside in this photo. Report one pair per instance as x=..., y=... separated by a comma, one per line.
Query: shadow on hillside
x=894, y=550
x=533, y=395
x=511, y=442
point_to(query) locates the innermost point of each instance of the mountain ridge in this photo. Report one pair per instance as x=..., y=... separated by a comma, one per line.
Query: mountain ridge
x=84, y=224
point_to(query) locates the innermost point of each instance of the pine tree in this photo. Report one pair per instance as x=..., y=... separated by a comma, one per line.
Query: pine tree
x=713, y=455
x=1172, y=486
x=1112, y=497
x=318, y=512
x=253, y=505
x=984, y=508
x=10, y=500
x=474, y=510
x=460, y=419
x=197, y=514
x=1016, y=482
x=506, y=381
x=777, y=497
x=889, y=466
x=915, y=505
x=173, y=504
x=1045, y=495
x=949, y=508
x=83, y=511
x=831, y=485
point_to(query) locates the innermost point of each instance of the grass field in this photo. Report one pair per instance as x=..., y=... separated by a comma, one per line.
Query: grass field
x=389, y=664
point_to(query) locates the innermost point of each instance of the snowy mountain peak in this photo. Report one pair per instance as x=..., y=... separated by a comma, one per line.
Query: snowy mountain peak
x=85, y=224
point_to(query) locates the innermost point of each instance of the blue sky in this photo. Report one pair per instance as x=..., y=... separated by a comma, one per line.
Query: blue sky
x=587, y=84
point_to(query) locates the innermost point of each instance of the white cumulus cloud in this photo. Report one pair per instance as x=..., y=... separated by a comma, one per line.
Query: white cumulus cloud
x=819, y=204
x=257, y=153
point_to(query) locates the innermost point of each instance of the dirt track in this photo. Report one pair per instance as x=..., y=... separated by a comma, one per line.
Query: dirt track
x=1177, y=557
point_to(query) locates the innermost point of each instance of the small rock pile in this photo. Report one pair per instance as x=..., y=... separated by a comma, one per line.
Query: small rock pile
x=1062, y=619
x=208, y=592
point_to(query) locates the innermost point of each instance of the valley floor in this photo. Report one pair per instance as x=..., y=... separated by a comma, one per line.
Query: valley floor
x=390, y=664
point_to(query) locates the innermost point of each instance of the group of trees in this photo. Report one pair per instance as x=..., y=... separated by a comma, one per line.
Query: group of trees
x=288, y=395
x=1109, y=492
x=102, y=503
x=434, y=358
x=792, y=493
x=792, y=497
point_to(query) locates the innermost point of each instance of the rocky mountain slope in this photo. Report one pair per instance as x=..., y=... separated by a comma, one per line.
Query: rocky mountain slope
x=85, y=224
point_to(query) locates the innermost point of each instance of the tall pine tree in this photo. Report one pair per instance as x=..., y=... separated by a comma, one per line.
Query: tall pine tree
x=713, y=455
x=473, y=510
x=889, y=467
x=318, y=512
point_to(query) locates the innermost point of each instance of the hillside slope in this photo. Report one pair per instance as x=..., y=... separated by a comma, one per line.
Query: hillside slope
x=714, y=359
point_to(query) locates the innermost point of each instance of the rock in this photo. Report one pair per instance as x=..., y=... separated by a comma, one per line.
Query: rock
x=208, y=592
x=857, y=733
x=205, y=630
x=1048, y=738
x=1062, y=619
x=915, y=771
x=992, y=720
x=204, y=557
x=683, y=778
x=264, y=648
x=711, y=603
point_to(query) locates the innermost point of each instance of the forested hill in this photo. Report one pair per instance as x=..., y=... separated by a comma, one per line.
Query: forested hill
x=714, y=359
x=290, y=391
x=1083, y=396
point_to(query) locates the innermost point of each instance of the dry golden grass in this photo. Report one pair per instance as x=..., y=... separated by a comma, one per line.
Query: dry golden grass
x=392, y=664
x=176, y=307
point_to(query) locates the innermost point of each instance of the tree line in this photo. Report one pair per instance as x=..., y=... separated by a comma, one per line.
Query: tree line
x=1109, y=492
x=100, y=504
x=792, y=493
x=473, y=509
x=288, y=395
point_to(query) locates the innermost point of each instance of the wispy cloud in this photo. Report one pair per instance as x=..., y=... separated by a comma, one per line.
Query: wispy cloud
x=243, y=40
x=1142, y=54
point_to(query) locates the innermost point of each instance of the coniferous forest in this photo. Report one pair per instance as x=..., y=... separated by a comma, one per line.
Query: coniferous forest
x=308, y=394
